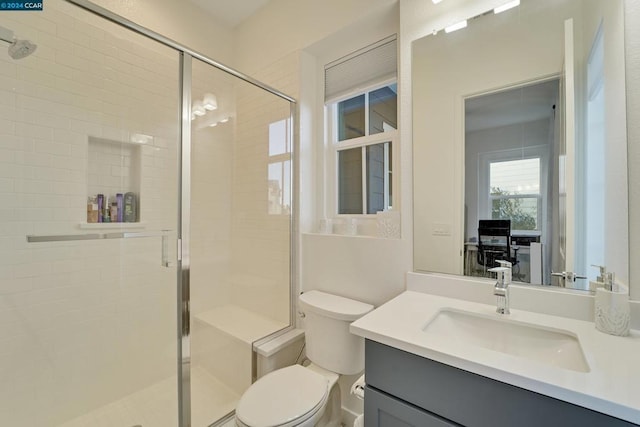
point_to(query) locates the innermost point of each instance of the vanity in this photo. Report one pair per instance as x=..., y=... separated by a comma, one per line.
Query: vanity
x=437, y=361
x=438, y=354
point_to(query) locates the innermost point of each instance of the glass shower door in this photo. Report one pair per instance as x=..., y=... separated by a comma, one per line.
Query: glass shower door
x=240, y=233
x=89, y=133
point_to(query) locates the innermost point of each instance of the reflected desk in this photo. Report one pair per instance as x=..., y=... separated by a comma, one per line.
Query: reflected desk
x=521, y=271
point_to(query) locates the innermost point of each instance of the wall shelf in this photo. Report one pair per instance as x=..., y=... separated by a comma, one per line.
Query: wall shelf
x=112, y=225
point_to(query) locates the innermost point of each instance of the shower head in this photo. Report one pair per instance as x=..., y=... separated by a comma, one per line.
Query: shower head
x=21, y=48
x=18, y=49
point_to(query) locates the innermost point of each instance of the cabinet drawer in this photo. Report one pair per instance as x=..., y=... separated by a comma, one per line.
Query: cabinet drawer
x=470, y=399
x=381, y=410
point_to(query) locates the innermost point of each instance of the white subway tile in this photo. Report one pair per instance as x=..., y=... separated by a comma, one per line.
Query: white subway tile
x=70, y=60
x=50, y=147
x=34, y=131
x=86, y=127
x=33, y=269
x=65, y=162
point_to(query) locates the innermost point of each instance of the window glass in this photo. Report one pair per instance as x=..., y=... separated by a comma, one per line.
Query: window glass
x=351, y=118
x=522, y=211
x=515, y=177
x=378, y=174
x=350, y=181
x=383, y=109
x=278, y=138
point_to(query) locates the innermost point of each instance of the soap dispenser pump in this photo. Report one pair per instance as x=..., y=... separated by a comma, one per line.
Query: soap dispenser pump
x=599, y=282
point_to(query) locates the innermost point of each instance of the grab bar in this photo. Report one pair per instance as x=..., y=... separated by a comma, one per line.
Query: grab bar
x=165, y=262
x=96, y=236
x=63, y=238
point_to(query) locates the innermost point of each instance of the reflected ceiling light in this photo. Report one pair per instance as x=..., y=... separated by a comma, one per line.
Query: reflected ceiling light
x=457, y=26
x=506, y=6
x=225, y=120
x=210, y=102
x=140, y=138
x=436, y=1
x=198, y=109
x=212, y=125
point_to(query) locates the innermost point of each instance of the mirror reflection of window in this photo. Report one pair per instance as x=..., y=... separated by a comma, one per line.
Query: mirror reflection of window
x=279, y=169
x=514, y=193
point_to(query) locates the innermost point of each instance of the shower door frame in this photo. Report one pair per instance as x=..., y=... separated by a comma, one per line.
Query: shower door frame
x=183, y=297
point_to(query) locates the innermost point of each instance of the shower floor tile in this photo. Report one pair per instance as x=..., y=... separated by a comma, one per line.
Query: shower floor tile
x=156, y=406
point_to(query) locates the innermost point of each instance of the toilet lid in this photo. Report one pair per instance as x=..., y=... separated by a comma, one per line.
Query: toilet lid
x=282, y=396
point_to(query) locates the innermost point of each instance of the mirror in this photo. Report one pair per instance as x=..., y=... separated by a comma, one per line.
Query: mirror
x=519, y=144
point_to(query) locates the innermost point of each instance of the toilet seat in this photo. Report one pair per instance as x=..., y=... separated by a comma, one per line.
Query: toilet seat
x=283, y=398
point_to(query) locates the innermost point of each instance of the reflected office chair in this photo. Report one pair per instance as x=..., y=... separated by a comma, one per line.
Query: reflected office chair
x=494, y=243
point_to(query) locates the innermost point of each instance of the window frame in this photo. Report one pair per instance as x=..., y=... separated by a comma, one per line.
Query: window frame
x=334, y=147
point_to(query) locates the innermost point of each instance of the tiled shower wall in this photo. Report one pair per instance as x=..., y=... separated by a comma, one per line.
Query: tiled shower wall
x=81, y=323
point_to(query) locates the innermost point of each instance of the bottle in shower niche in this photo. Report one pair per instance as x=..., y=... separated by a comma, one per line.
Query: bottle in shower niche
x=120, y=207
x=130, y=207
x=92, y=210
x=113, y=212
x=100, y=198
x=106, y=215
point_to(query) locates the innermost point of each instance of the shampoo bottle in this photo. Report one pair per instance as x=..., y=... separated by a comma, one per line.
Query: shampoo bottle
x=130, y=208
x=100, y=206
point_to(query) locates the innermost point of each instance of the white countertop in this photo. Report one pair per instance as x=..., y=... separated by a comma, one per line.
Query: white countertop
x=612, y=386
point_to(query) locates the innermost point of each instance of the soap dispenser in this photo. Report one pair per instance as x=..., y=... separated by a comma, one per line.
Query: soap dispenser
x=612, y=311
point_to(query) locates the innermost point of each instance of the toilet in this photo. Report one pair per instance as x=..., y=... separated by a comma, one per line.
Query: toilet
x=310, y=396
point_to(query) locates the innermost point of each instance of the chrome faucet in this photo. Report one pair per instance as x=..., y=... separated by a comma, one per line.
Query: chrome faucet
x=568, y=278
x=501, y=288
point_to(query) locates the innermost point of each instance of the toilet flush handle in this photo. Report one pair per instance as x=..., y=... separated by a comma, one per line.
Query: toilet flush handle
x=301, y=314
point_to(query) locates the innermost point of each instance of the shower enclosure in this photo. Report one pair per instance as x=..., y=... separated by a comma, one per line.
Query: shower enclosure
x=145, y=225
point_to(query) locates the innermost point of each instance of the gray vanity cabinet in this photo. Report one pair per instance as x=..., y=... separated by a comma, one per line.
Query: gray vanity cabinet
x=387, y=411
x=407, y=390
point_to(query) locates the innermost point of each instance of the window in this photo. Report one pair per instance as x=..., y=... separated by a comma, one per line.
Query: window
x=377, y=183
x=279, y=169
x=365, y=127
x=514, y=193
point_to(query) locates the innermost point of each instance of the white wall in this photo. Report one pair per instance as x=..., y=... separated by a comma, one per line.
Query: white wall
x=286, y=26
x=182, y=21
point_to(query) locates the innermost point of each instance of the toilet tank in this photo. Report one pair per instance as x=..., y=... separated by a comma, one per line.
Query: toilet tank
x=329, y=344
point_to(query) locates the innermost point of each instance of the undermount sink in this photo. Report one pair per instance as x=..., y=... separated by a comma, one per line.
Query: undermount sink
x=550, y=346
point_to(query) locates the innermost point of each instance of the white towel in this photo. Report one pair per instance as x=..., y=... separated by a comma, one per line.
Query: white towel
x=359, y=422
x=357, y=389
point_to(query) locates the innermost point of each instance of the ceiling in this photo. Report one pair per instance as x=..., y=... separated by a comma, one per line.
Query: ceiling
x=519, y=105
x=231, y=12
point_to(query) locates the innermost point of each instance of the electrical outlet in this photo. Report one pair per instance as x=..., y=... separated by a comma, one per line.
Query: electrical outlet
x=438, y=229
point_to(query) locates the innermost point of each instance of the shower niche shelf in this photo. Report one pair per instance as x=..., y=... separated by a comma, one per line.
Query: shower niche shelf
x=113, y=167
x=112, y=225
